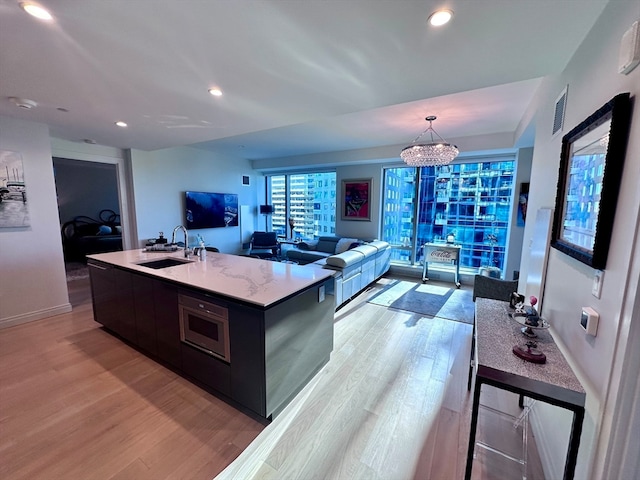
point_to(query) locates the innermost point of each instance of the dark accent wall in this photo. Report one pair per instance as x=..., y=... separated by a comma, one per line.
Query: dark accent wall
x=85, y=188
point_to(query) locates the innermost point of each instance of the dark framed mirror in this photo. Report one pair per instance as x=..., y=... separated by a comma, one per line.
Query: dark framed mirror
x=591, y=164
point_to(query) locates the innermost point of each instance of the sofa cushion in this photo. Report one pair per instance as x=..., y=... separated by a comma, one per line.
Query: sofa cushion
x=344, y=244
x=345, y=259
x=303, y=257
x=380, y=245
x=366, y=250
x=327, y=244
x=307, y=245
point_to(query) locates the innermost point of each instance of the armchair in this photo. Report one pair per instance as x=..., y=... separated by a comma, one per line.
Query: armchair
x=488, y=287
x=265, y=245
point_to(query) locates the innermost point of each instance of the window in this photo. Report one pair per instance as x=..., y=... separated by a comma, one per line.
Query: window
x=305, y=198
x=472, y=201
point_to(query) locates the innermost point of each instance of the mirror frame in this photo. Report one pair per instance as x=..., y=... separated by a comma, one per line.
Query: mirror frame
x=618, y=110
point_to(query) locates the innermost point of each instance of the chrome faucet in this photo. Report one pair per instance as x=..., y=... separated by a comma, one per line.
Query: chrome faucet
x=187, y=252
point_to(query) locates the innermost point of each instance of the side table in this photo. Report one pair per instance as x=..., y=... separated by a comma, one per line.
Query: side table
x=552, y=382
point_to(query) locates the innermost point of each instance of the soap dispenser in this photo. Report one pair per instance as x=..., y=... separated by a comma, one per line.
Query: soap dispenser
x=202, y=252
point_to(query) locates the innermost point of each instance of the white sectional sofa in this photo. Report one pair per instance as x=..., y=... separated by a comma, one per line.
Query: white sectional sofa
x=357, y=268
x=310, y=251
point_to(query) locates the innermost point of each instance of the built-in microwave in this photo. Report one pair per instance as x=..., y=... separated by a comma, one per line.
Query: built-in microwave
x=205, y=326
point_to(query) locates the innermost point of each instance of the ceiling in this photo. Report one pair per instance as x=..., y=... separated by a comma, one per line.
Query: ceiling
x=298, y=77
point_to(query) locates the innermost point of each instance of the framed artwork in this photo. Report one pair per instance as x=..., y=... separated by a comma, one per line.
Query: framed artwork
x=14, y=209
x=591, y=164
x=356, y=198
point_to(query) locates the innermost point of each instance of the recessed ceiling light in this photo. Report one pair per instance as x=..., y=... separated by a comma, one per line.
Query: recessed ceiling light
x=216, y=92
x=36, y=10
x=121, y=124
x=440, y=17
x=23, y=102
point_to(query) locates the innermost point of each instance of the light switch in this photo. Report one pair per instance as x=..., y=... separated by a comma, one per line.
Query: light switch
x=596, y=289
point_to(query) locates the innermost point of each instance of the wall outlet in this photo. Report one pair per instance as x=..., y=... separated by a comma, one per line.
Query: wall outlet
x=598, y=278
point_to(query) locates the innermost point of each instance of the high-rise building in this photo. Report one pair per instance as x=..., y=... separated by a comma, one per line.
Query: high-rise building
x=471, y=201
x=307, y=200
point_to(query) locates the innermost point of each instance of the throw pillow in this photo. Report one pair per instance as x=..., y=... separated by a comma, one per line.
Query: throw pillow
x=104, y=230
x=311, y=245
x=344, y=244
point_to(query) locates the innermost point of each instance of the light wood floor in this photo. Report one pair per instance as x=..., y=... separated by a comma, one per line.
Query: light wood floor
x=77, y=403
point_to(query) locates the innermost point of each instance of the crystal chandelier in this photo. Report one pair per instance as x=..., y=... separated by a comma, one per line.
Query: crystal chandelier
x=429, y=154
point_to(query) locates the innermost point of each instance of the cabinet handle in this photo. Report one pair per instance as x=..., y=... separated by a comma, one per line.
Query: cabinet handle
x=99, y=267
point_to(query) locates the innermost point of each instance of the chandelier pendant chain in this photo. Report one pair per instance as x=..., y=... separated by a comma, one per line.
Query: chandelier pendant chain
x=429, y=129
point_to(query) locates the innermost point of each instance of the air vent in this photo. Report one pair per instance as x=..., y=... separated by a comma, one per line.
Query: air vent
x=629, y=50
x=558, y=114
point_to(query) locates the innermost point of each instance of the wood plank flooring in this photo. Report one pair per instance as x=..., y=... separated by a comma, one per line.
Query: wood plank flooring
x=77, y=403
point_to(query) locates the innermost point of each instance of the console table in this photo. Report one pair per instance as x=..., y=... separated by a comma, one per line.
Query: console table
x=441, y=253
x=495, y=364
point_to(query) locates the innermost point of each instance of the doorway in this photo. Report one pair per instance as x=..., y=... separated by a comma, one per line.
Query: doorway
x=89, y=211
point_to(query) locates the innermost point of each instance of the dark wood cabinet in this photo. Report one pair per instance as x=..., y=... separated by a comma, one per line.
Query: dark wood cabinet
x=140, y=309
x=113, y=299
x=273, y=352
x=125, y=305
x=145, y=313
x=247, y=357
x=206, y=369
x=104, y=293
x=165, y=303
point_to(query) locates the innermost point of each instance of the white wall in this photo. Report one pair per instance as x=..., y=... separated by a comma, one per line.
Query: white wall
x=593, y=80
x=516, y=233
x=33, y=283
x=360, y=229
x=160, y=179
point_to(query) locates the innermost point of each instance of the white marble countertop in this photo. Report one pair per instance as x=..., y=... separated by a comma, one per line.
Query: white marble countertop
x=259, y=282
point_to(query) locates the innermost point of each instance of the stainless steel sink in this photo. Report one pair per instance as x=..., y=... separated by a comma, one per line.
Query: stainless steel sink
x=164, y=262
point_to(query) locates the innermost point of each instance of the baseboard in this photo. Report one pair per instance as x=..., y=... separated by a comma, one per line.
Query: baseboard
x=33, y=316
x=543, y=446
x=438, y=273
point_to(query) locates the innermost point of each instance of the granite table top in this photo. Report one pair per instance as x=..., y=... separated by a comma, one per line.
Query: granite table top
x=497, y=333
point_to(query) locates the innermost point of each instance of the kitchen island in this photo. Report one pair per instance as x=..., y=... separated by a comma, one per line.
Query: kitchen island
x=251, y=331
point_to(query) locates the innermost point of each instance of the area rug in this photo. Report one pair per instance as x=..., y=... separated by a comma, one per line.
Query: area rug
x=427, y=299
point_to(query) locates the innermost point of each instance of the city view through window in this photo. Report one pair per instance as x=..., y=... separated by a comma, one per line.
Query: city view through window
x=470, y=201
x=306, y=201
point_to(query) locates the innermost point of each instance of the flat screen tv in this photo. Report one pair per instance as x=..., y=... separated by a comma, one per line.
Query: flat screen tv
x=266, y=209
x=211, y=210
